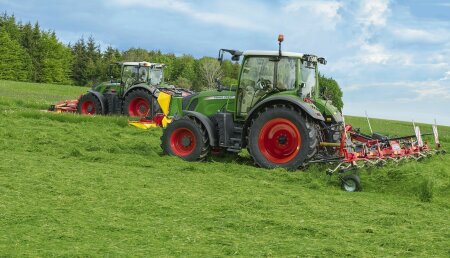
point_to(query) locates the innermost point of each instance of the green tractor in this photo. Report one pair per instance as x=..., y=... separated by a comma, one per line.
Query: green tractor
x=276, y=112
x=134, y=94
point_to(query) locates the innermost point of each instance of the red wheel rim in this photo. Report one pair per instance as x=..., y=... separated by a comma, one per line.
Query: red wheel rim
x=88, y=107
x=279, y=140
x=182, y=142
x=139, y=107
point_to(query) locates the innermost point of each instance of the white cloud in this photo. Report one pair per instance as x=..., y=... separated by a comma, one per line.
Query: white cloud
x=420, y=90
x=446, y=76
x=420, y=35
x=373, y=12
x=328, y=11
x=185, y=8
x=374, y=53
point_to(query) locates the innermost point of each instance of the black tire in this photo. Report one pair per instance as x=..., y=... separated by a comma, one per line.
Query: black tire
x=139, y=103
x=89, y=104
x=178, y=136
x=351, y=183
x=294, y=120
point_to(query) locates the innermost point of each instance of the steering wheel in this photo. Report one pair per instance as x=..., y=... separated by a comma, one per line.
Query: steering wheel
x=263, y=84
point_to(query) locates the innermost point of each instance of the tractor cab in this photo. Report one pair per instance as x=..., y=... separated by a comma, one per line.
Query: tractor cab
x=268, y=73
x=133, y=73
x=125, y=75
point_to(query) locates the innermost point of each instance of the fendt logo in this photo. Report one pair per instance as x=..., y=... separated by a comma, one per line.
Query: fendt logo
x=220, y=97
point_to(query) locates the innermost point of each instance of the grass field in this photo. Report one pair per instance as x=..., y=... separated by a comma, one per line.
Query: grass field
x=75, y=185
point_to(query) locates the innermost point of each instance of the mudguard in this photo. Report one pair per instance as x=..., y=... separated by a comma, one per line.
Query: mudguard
x=314, y=113
x=152, y=90
x=102, y=100
x=207, y=123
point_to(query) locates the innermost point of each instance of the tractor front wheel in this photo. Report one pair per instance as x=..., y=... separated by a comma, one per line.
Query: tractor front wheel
x=280, y=136
x=185, y=138
x=89, y=105
x=138, y=103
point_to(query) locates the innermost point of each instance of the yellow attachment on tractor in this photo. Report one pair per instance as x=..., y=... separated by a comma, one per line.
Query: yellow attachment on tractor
x=159, y=119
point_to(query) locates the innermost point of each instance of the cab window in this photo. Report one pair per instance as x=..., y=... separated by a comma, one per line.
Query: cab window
x=286, y=79
x=256, y=79
x=308, y=71
x=129, y=75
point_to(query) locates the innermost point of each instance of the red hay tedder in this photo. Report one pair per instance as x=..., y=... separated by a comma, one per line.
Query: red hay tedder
x=358, y=150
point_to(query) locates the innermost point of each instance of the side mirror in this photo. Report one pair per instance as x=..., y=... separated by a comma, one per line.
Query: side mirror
x=322, y=60
x=302, y=85
x=235, y=58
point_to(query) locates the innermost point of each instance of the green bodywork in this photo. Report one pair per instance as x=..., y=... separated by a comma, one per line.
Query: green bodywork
x=131, y=76
x=208, y=103
x=295, y=77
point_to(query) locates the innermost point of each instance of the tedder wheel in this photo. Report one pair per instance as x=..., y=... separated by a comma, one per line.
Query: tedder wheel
x=89, y=105
x=138, y=103
x=185, y=138
x=281, y=137
x=351, y=183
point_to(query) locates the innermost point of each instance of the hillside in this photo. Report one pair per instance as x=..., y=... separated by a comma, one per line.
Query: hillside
x=92, y=186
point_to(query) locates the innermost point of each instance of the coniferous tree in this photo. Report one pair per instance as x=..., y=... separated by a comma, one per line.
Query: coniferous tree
x=11, y=26
x=15, y=61
x=79, y=63
x=56, y=62
x=93, y=63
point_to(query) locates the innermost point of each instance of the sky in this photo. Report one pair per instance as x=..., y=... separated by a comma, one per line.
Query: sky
x=390, y=57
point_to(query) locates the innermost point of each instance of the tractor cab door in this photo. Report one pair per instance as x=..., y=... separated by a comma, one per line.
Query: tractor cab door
x=264, y=76
x=257, y=78
x=130, y=76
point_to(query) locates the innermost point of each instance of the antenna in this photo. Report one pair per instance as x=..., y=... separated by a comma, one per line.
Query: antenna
x=368, y=121
x=280, y=39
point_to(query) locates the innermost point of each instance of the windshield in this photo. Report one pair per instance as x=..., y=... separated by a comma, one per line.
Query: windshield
x=286, y=74
x=308, y=70
x=156, y=76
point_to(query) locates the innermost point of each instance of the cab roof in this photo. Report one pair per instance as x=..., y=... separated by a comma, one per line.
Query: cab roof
x=271, y=53
x=143, y=63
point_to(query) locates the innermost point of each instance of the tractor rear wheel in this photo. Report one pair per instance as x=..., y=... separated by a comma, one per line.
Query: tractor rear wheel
x=138, y=103
x=185, y=138
x=89, y=105
x=281, y=137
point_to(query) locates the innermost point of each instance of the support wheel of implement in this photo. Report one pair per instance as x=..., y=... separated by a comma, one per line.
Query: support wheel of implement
x=280, y=136
x=351, y=183
x=185, y=138
x=138, y=103
x=89, y=105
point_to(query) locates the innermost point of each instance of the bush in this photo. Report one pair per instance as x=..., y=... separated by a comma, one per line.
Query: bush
x=183, y=83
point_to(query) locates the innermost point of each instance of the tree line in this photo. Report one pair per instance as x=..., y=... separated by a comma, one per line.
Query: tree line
x=29, y=53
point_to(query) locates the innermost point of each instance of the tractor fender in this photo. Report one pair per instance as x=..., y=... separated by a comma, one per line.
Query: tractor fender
x=101, y=98
x=314, y=113
x=207, y=123
x=152, y=90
